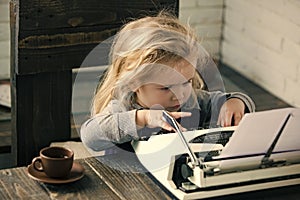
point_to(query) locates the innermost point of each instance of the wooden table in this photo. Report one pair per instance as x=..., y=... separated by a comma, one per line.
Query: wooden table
x=120, y=180
x=110, y=177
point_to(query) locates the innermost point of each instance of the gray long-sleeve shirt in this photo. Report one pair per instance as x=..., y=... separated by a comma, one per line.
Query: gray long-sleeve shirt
x=117, y=124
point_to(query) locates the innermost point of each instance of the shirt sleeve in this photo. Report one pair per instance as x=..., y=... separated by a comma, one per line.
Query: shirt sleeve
x=112, y=126
x=250, y=106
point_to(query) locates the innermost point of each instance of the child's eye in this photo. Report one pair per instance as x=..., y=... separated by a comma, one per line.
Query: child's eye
x=165, y=88
x=187, y=83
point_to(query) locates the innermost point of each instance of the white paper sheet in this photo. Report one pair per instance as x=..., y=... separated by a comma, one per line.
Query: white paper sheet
x=255, y=134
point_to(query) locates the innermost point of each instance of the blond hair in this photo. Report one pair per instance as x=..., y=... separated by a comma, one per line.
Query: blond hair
x=144, y=41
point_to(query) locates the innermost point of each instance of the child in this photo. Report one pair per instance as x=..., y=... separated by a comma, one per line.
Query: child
x=156, y=64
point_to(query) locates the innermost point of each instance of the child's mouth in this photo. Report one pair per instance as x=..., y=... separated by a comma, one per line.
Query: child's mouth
x=175, y=107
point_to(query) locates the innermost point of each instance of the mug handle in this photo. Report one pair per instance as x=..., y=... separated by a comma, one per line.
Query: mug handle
x=35, y=161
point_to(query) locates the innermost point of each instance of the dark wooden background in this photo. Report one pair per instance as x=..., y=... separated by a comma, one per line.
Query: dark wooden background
x=49, y=39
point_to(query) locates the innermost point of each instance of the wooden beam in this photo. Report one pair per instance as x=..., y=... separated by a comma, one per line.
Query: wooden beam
x=58, y=35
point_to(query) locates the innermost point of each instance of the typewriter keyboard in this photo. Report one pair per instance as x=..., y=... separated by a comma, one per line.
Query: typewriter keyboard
x=220, y=137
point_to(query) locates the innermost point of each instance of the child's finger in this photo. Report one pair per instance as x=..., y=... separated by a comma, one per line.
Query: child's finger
x=182, y=128
x=167, y=126
x=181, y=114
x=237, y=118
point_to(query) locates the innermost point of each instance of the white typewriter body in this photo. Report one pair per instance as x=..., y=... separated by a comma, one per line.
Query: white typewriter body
x=238, y=166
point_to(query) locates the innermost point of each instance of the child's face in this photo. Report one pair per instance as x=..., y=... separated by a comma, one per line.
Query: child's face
x=168, y=90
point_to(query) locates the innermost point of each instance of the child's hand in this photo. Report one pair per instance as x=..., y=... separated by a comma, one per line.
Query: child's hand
x=231, y=112
x=154, y=118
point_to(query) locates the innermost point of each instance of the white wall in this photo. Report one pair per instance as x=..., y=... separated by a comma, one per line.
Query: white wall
x=206, y=17
x=262, y=42
x=4, y=39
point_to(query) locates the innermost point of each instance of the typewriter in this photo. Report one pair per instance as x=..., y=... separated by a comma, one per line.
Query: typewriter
x=262, y=152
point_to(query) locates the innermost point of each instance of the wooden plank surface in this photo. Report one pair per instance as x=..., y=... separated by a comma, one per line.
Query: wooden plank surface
x=42, y=112
x=262, y=98
x=58, y=35
x=127, y=177
x=15, y=184
x=111, y=177
x=101, y=181
x=5, y=135
x=49, y=14
x=91, y=186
